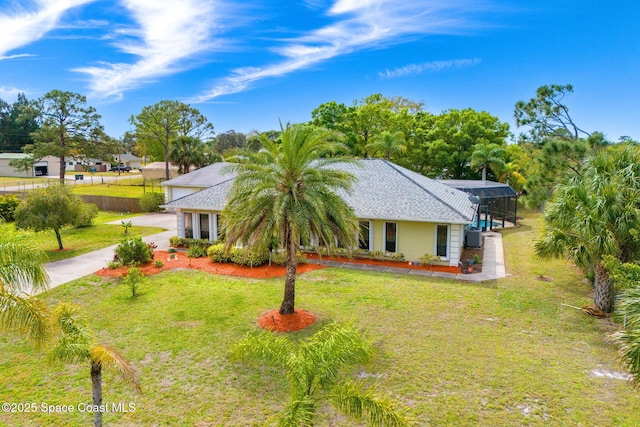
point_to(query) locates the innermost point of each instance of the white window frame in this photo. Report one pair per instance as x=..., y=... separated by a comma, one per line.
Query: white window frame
x=384, y=236
x=435, y=241
x=208, y=223
x=184, y=223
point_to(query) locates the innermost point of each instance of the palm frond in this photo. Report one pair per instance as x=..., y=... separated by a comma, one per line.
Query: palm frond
x=21, y=264
x=298, y=413
x=264, y=346
x=110, y=359
x=362, y=403
x=25, y=315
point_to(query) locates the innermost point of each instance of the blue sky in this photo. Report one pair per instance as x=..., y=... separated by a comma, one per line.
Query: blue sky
x=248, y=64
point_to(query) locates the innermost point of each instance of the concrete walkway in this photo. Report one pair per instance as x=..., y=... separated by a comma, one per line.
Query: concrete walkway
x=492, y=264
x=64, y=271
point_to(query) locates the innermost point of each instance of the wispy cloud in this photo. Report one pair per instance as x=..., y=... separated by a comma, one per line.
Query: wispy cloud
x=168, y=34
x=360, y=24
x=17, y=56
x=22, y=25
x=434, y=66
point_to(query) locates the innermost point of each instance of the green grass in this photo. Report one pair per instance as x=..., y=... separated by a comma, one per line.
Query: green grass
x=504, y=353
x=78, y=241
x=130, y=191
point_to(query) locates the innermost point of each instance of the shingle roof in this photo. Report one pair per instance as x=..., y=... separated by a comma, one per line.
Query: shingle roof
x=382, y=190
x=204, y=177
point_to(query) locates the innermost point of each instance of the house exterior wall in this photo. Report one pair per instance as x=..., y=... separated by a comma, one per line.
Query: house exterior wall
x=173, y=193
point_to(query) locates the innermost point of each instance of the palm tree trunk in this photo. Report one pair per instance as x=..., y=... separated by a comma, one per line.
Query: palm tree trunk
x=96, y=383
x=602, y=298
x=288, y=303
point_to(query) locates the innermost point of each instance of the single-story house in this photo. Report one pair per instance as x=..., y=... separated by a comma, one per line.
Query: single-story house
x=47, y=166
x=400, y=211
x=129, y=160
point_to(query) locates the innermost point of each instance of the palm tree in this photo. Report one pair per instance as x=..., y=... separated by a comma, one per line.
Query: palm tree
x=286, y=191
x=388, y=143
x=594, y=215
x=187, y=151
x=76, y=344
x=21, y=270
x=488, y=156
x=316, y=366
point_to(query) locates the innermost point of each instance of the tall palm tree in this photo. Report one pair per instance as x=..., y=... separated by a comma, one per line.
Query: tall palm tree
x=596, y=214
x=76, y=344
x=388, y=143
x=22, y=271
x=286, y=191
x=316, y=366
x=488, y=156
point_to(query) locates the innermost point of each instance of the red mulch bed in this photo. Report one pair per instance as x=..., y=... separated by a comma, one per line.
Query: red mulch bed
x=398, y=264
x=274, y=321
x=204, y=264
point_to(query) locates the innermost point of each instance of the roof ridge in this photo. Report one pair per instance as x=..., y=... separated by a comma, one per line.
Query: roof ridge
x=393, y=166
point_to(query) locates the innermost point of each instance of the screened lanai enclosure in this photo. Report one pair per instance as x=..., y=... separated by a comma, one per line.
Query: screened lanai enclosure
x=498, y=202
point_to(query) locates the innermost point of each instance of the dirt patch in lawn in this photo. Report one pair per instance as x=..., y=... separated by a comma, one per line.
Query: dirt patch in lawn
x=228, y=269
x=386, y=263
x=274, y=321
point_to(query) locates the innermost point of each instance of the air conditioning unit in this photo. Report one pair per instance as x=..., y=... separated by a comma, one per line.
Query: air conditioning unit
x=474, y=238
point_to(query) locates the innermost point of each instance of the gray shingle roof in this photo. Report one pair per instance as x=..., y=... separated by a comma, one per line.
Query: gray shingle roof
x=382, y=190
x=204, y=177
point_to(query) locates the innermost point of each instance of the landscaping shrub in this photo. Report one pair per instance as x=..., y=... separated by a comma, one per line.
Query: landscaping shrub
x=216, y=253
x=183, y=242
x=8, y=205
x=131, y=251
x=151, y=202
x=197, y=251
x=86, y=213
x=248, y=257
x=281, y=258
x=158, y=263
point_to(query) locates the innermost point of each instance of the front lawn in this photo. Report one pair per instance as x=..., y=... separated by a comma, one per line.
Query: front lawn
x=504, y=353
x=78, y=241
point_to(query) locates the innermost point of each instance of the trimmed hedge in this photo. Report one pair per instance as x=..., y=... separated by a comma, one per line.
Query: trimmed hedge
x=240, y=256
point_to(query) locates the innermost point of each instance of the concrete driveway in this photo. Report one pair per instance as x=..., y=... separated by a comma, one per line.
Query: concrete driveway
x=67, y=270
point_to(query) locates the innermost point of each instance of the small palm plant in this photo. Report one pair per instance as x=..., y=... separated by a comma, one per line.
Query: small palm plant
x=76, y=344
x=21, y=273
x=314, y=369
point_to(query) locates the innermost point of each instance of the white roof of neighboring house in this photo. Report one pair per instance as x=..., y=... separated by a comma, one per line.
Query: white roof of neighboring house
x=382, y=190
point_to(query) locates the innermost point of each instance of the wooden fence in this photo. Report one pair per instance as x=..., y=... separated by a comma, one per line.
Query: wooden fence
x=114, y=204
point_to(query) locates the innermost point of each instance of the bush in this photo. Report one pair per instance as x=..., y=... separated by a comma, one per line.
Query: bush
x=131, y=251
x=182, y=242
x=8, y=205
x=151, y=202
x=249, y=257
x=216, y=253
x=158, y=263
x=86, y=213
x=281, y=258
x=197, y=252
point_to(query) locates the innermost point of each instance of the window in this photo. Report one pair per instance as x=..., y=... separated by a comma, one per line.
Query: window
x=364, y=239
x=390, y=237
x=442, y=240
x=204, y=226
x=188, y=225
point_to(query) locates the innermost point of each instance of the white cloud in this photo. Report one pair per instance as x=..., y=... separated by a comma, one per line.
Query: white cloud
x=415, y=69
x=360, y=24
x=10, y=94
x=20, y=26
x=17, y=56
x=167, y=35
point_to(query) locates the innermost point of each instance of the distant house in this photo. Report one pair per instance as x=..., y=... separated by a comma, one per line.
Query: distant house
x=129, y=160
x=47, y=166
x=399, y=211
